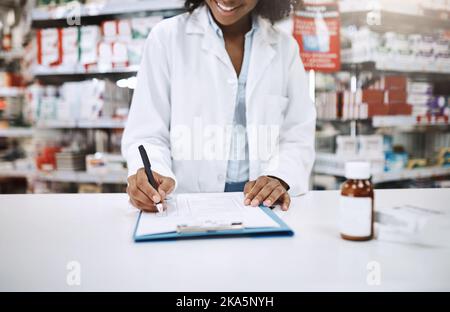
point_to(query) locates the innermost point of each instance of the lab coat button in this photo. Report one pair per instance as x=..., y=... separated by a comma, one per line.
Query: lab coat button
x=221, y=178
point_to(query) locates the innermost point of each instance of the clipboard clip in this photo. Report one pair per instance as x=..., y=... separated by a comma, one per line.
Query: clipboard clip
x=209, y=226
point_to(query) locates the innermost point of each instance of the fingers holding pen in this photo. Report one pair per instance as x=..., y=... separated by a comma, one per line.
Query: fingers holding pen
x=143, y=185
x=166, y=185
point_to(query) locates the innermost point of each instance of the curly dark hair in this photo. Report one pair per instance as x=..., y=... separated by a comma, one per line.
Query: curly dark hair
x=273, y=10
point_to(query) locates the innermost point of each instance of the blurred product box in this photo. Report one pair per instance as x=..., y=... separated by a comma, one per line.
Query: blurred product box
x=135, y=50
x=370, y=96
x=49, y=46
x=70, y=161
x=10, y=79
x=415, y=87
x=102, y=163
x=70, y=47
x=346, y=145
x=443, y=158
x=395, y=96
x=141, y=26
x=119, y=54
x=400, y=109
x=416, y=163
x=376, y=109
x=90, y=36
x=371, y=146
x=116, y=30
x=396, y=161
x=46, y=158
x=419, y=99
x=394, y=83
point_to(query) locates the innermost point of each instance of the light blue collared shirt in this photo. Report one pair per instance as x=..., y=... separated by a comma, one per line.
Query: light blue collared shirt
x=238, y=163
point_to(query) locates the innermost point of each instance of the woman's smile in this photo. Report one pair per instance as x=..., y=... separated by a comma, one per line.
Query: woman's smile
x=229, y=12
x=226, y=9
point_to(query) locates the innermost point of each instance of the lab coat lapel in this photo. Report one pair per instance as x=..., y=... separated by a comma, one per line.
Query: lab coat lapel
x=214, y=45
x=199, y=24
x=263, y=52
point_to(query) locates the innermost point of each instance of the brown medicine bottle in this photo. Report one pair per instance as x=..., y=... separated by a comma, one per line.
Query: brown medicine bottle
x=356, y=204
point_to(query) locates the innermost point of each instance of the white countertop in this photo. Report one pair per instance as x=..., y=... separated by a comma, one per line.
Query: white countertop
x=41, y=234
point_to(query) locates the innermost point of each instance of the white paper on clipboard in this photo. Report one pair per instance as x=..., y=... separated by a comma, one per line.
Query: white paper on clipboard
x=201, y=208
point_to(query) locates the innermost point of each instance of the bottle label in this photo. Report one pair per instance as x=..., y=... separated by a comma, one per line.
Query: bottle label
x=355, y=216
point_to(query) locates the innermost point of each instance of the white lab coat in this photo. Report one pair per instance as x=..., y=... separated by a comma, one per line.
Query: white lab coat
x=186, y=90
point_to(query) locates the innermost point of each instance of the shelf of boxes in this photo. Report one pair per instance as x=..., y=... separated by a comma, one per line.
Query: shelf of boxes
x=16, y=132
x=81, y=65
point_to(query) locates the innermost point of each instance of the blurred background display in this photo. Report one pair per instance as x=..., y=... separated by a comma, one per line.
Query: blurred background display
x=379, y=75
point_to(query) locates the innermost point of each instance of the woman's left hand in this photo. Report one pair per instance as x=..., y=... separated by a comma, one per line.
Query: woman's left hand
x=267, y=191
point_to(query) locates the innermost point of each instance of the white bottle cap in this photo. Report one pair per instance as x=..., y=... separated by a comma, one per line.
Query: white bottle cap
x=357, y=170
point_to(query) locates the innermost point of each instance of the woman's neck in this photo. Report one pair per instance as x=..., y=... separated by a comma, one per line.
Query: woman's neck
x=238, y=29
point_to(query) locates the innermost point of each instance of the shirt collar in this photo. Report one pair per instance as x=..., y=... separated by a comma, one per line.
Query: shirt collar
x=219, y=32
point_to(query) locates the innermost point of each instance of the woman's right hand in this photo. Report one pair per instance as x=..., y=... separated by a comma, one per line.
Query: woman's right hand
x=143, y=196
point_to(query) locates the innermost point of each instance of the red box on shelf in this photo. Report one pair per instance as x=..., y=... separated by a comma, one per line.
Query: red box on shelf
x=395, y=97
x=371, y=97
x=400, y=109
x=377, y=109
x=395, y=82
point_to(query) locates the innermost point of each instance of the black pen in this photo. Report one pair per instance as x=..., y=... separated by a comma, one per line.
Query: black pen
x=148, y=172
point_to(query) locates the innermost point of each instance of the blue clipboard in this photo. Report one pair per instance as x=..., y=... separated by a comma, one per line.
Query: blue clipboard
x=282, y=230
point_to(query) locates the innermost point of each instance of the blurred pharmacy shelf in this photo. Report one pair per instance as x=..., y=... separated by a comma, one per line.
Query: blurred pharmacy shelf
x=101, y=124
x=56, y=124
x=82, y=124
x=11, y=92
x=82, y=177
x=11, y=55
x=384, y=20
x=395, y=121
x=399, y=121
x=412, y=71
x=16, y=174
x=406, y=121
x=382, y=177
x=51, y=75
x=67, y=176
x=408, y=174
x=94, y=13
x=16, y=132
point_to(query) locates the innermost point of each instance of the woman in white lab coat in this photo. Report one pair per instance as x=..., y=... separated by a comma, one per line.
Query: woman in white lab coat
x=221, y=104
